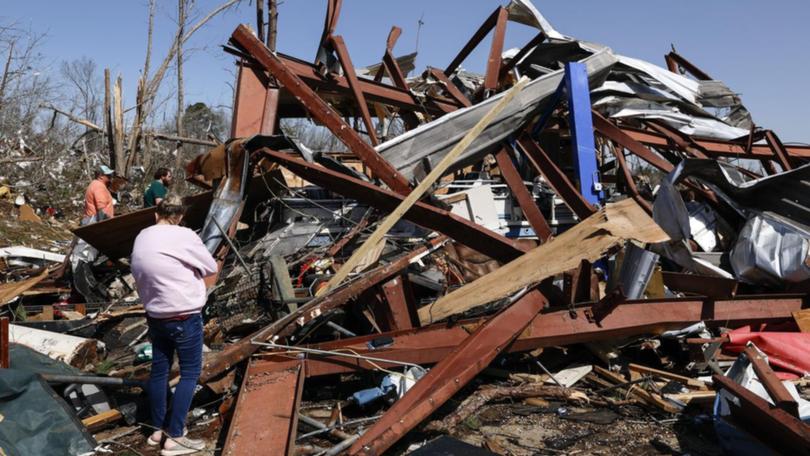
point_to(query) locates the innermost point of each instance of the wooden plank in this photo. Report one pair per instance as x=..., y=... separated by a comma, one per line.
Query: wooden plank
x=588, y=240
x=9, y=291
x=417, y=193
x=96, y=422
x=282, y=283
x=668, y=375
x=802, y=318
x=637, y=391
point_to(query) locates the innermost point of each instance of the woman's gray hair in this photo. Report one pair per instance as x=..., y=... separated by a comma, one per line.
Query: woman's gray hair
x=171, y=207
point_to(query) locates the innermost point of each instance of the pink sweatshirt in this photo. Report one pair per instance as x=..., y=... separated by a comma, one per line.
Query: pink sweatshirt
x=169, y=263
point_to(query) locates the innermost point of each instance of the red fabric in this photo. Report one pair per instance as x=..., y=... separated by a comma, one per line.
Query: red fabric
x=787, y=351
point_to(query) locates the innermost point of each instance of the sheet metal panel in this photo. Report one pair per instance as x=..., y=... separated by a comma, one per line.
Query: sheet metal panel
x=115, y=237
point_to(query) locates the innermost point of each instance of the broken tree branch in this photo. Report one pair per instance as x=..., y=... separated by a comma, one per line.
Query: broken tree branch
x=181, y=139
x=72, y=118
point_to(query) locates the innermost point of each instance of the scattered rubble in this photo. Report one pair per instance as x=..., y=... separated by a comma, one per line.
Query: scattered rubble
x=576, y=252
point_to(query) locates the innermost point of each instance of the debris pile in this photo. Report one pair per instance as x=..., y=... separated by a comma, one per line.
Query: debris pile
x=577, y=251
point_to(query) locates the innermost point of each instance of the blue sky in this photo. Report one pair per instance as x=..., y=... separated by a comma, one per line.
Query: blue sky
x=760, y=49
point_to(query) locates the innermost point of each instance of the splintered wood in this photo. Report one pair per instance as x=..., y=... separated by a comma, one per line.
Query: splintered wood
x=589, y=240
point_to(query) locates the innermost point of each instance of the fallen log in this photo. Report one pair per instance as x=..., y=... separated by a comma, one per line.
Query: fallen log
x=75, y=351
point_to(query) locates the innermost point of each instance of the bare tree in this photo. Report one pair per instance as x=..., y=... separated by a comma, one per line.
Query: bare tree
x=181, y=27
x=153, y=84
x=84, y=82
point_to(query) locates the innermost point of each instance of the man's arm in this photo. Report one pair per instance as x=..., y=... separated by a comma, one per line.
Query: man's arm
x=160, y=193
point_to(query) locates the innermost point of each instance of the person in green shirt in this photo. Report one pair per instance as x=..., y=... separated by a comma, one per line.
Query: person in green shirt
x=158, y=188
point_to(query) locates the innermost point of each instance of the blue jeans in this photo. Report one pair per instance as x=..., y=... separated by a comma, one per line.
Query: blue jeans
x=186, y=338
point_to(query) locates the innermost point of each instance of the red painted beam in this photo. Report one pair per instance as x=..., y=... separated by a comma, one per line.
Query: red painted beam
x=715, y=147
x=375, y=91
x=266, y=385
x=286, y=326
x=354, y=84
x=449, y=375
x=462, y=230
x=775, y=427
x=400, y=305
x=430, y=344
x=320, y=110
x=563, y=186
x=474, y=41
x=522, y=195
x=495, y=51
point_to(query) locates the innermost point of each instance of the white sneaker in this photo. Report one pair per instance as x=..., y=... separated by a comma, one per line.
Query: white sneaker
x=181, y=445
x=156, y=437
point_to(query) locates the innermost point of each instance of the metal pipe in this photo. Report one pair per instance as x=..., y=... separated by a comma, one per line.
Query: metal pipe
x=91, y=380
x=341, y=426
x=342, y=446
x=340, y=329
x=315, y=351
x=322, y=427
x=230, y=243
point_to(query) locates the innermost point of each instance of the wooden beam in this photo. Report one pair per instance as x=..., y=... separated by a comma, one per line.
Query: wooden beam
x=437, y=172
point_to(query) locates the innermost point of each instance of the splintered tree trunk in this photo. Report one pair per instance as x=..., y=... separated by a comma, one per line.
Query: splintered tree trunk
x=260, y=19
x=271, y=24
x=141, y=102
x=122, y=164
x=181, y=22
x=115, y=163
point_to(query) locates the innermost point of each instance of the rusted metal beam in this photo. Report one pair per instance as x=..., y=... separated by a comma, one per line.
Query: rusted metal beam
x=266, y=386
x=449, y=375
x=320, y=110
x=400, y=305
x=329, y=24
x=674, y=60
x=778, y=150
x=462, y=230
x=713, y=287
x=773, y=385
x=555, y=177
x=688, y=145
x=495, y=51
x=508, y=66
x=610, y=131
x=475, y=40
x=618, y=152
x=775, y=427
x=521, y=193
x=348, y=70
x=390, y=62
x=716, y=147
x=286, y=326
x=255, y=104
x=375, y=91
x=679, y=139
x=451, y=88
x=430, y=344
x=335, y=248
x=581, y=285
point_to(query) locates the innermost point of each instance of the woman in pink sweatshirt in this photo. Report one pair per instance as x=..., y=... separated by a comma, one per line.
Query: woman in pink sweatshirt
x=169, y=263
